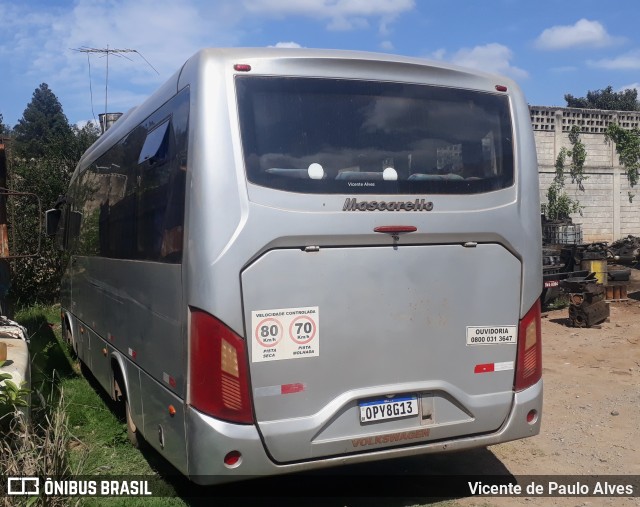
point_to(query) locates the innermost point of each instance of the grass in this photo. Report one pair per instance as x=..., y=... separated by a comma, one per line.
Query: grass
x=98, y=443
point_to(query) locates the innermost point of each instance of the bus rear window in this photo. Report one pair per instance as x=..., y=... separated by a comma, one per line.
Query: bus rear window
x=331, y=136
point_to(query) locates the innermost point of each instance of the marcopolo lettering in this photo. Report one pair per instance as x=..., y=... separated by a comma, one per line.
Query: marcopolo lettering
x=352, y=204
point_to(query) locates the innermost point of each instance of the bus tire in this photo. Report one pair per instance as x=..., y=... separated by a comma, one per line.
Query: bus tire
x=133, y=435
x=132, y=430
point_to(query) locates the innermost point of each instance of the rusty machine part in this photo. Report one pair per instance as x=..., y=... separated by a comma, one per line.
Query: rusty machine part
x=626, y=250
x=587, y=301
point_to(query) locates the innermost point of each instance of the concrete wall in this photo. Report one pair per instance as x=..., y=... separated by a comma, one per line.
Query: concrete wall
x=607, y=215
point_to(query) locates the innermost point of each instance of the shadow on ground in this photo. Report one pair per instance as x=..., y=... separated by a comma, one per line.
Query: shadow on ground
x=49, y=363
x=634, y=295
x=392, y=483
x=563, y=321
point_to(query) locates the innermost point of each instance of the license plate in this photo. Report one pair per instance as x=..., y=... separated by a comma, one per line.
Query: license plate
x=388, y=408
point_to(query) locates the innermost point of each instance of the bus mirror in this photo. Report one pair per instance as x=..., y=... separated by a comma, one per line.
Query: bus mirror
x=52, y=218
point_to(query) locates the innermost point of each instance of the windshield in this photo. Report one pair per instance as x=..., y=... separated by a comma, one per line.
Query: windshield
x=316, y=135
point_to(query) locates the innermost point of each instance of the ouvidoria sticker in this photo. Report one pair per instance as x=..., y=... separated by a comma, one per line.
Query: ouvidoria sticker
x=491, y=335
x=285, y=333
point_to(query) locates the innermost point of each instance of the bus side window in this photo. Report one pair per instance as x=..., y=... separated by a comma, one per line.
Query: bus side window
x=154, y=176
x=173, y=224
x=162, y=167
x=156, y=147
x=172, y=227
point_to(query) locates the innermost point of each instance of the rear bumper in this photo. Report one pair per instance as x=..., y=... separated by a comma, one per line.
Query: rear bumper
x=209, y=440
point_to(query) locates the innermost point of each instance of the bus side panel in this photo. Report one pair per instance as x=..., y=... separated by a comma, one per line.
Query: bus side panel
x=163, y=428
x=99, y=360
x=136, y=314
x=80, y=337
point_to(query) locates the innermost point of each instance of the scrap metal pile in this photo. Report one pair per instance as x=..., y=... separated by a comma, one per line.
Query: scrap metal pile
x=591, y=274
x=587, y=306
x=626, y=250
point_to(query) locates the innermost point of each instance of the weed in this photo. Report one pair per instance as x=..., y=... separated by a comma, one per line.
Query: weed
x=39, y=449
x=12, y=395
x=558, y=303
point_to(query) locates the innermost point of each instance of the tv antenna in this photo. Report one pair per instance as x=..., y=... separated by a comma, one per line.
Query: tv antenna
x=105, y=52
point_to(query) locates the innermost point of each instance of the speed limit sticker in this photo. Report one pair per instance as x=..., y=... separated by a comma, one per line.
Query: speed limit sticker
x=285, y=333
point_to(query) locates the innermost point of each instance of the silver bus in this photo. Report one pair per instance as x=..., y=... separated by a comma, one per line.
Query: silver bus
x=292, y=259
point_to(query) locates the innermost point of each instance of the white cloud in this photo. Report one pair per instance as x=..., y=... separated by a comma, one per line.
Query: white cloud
x=583, y=34
x=387, y=45
x=286, y=45
x=632, y=86
x=36, y=43
x=628, y=61
x=339, y=14
x=165, y=32
x=438, y=54
x=494, y=58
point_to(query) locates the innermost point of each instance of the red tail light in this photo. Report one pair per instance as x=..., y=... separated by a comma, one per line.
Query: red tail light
x=529, y=360
x=218, y=378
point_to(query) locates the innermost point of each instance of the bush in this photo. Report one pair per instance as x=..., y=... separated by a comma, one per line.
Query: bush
x=35, y=279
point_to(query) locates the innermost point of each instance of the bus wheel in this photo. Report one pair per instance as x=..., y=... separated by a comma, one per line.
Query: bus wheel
x=132, y=430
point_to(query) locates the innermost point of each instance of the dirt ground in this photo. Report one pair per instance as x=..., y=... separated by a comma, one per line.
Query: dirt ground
x=591, y=413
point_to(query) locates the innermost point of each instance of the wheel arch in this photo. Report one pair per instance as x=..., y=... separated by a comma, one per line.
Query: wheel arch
x=69, y=322
x=119, y=373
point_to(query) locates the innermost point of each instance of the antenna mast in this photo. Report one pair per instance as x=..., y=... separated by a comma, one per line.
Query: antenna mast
x=106, y=52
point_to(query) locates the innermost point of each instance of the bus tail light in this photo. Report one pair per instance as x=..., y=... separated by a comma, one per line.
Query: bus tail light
x=529, y=359
x=218, y=379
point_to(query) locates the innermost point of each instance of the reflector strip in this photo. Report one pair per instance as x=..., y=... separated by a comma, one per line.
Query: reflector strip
x=491, y=367
x=260, y=392
x=168, y=379
x=291, y=388
x=483, y=368
x=231, y=396
x=529, y=363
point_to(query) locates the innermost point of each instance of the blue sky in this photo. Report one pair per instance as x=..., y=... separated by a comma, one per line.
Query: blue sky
x=549, y=47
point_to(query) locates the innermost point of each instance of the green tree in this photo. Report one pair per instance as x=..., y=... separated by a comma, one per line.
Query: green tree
x=41, y=165
x=625, y=100
x=83, y=137
x=628, y=149
x=43, y=129
x=559, y=204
